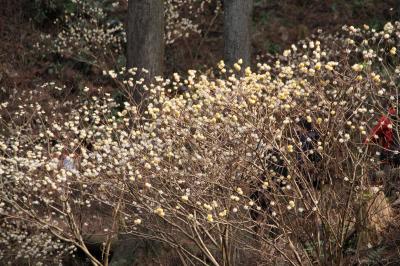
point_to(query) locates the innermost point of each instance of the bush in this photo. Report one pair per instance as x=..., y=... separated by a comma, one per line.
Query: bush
x=222, y=168
x=91, y=32
x=88, y=34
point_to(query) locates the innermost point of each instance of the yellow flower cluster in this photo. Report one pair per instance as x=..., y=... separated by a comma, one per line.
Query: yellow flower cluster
x=210, y=150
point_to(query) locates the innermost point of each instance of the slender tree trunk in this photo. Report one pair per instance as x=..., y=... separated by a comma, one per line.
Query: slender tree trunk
x=146, y=36
x=237, y=31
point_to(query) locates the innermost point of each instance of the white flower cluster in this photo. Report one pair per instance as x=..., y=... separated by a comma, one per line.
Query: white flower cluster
x=87, y=34
x=21, y=243
x=182, y=17
x=90, y=35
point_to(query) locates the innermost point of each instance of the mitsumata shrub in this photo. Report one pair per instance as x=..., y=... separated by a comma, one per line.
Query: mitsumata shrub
x=87, y=34
x=269, y=167
x=90, y=34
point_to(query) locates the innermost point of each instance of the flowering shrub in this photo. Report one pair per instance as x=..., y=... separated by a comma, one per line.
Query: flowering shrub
x=182, y=17
x=214, y=165
x=89, y=34
x=21, y=243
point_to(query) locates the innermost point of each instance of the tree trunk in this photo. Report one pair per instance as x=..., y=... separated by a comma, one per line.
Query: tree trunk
x=146, y=36
x=237, y=31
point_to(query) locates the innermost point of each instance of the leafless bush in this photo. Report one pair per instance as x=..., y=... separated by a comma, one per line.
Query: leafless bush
x=220, y=167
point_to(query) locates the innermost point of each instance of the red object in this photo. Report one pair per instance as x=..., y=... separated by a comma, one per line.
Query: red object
x=383, y=131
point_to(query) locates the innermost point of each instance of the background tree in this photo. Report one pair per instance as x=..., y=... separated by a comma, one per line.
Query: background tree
x=237, y=31
x=146, y=36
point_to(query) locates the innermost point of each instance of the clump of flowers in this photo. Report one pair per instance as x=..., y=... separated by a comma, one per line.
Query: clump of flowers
x=270, y=165
x=21, y=243
x=90, y=34
x=87, y=34
x=183, y=18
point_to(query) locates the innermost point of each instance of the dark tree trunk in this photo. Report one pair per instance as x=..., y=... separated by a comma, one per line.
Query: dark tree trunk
x=146, y=36
x=237, y=31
